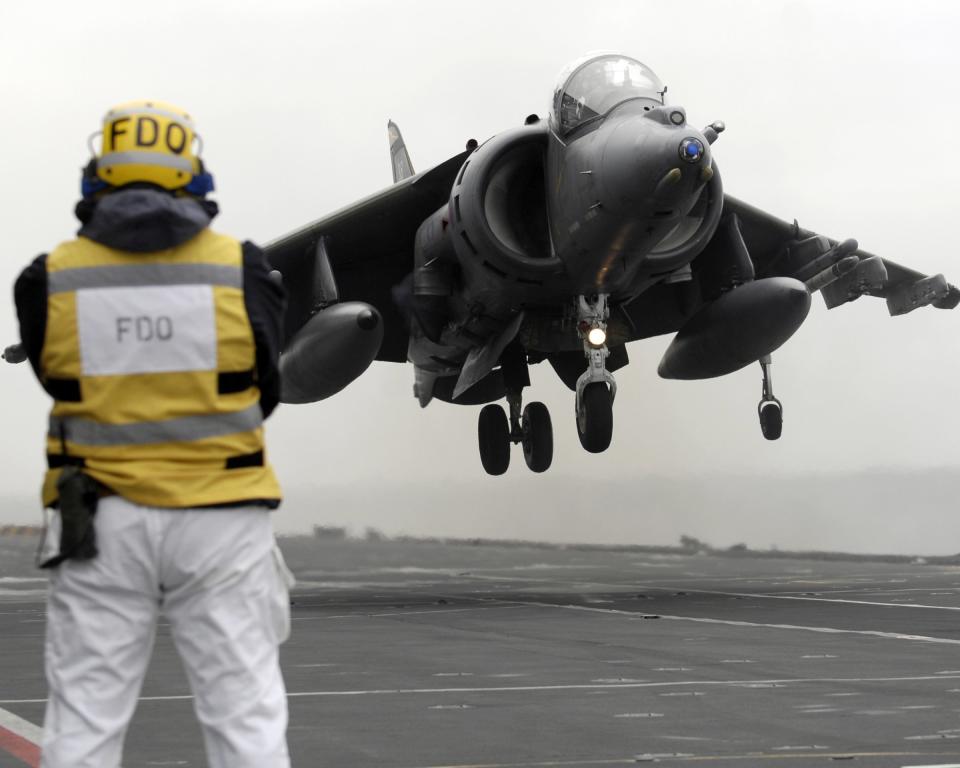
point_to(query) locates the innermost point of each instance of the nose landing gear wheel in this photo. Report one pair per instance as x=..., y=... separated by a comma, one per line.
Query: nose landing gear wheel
x=537, y=437
x=493, y=432
x=771, y=419
x=595, y=419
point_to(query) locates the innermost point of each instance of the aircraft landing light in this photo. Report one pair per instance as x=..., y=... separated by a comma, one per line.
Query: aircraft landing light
x=597, y=337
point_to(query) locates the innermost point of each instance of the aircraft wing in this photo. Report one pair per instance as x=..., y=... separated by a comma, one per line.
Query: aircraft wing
x=368, y=248
x=781, y=248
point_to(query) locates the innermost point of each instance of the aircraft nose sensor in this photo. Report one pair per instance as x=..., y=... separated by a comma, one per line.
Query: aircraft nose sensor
x=691, y=150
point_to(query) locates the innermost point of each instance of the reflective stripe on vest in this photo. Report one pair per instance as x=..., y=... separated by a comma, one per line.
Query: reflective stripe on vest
x=182, y=430
x=133, y=275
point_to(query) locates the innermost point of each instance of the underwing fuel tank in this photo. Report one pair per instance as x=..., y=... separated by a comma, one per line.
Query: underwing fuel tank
x=737, y=329
x=332, y=349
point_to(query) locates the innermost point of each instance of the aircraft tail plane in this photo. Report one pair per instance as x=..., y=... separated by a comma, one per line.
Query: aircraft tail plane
x=399, y=158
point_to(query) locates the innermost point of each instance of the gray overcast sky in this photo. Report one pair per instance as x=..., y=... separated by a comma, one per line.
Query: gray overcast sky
x=841, y=114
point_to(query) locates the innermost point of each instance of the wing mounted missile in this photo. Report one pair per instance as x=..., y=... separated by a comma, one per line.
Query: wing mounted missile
x=785, y=249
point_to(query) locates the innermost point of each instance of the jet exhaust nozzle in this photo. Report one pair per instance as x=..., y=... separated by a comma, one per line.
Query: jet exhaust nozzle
x=332, y=349
x=737, y=329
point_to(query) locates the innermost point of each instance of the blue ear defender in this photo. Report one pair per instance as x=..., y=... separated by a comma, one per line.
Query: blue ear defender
x=90, y=183
x=201, y=184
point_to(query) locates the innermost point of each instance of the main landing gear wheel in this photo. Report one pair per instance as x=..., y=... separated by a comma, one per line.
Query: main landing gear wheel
x=595, y=419
x=537, y=437
x=771, y=418
x=493, y=433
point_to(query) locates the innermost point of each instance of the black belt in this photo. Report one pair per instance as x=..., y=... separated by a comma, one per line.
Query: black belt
x=234, y=381
x=59, y=460
x=255, y=459
x=228, y=383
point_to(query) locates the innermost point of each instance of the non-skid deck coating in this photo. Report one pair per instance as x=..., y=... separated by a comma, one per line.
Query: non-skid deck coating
x=408, y=655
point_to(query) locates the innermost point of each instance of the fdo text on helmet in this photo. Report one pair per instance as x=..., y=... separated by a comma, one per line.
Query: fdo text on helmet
x=147, y=142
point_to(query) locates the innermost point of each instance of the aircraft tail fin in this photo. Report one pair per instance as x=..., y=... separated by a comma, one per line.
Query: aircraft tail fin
x=399, y=158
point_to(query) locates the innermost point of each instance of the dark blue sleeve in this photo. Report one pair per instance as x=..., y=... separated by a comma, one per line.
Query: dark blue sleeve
x=30, y=297
x=264, y=301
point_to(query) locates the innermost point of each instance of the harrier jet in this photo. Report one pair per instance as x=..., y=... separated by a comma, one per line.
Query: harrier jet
x=562, y=241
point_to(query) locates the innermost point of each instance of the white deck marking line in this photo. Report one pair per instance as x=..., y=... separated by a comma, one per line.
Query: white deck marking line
x=688, y=758
x=762, y=596
x=820, y=599
x=22, y=728
x=548, y=764
x=563, y=687
x=734, y=623
x=871, y=590
x=360, y=615
x=654, y=586
x=869, y=580
x=823, y=630
x=20, y=738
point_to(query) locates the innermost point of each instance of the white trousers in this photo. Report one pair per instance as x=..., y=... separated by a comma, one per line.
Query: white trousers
x=218, y=578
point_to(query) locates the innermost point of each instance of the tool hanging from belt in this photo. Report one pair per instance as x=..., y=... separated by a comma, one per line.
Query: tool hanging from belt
x=79, y=495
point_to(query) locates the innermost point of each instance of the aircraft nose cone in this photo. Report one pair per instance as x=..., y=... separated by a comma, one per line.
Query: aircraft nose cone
x=654, y=159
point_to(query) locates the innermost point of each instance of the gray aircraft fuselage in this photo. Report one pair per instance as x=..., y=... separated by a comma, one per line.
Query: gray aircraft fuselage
x=539, y=215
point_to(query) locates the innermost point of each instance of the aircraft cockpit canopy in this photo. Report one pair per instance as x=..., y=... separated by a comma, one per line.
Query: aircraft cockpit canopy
x=592, y=86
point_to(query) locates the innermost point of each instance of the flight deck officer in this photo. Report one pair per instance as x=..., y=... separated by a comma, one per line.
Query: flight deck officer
x=158, y=340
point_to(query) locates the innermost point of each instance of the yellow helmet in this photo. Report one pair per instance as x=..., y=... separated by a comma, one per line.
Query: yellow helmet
x=148, y=141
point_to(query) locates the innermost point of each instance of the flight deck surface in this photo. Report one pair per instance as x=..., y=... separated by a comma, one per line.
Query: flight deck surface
x=419, y=654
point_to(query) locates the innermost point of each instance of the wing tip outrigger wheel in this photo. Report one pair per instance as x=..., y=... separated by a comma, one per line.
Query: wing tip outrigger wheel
x=771, y=418
x=770, y=410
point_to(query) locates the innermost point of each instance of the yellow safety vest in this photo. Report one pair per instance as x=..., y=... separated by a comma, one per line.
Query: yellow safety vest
x=150, y=359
